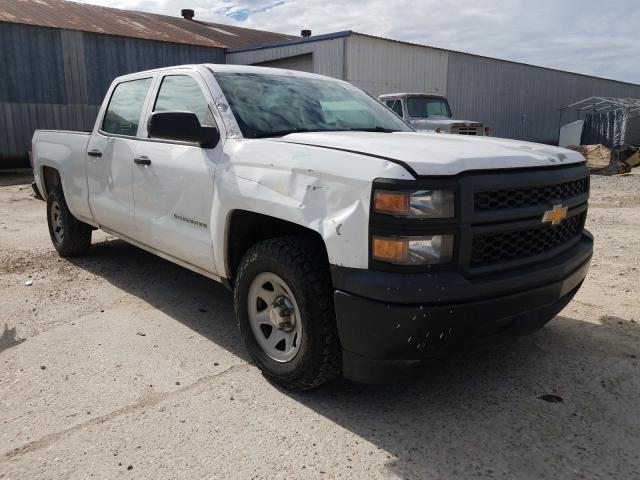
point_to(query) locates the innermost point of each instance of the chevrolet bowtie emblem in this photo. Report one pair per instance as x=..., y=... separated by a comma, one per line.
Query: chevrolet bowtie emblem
x=555, y=215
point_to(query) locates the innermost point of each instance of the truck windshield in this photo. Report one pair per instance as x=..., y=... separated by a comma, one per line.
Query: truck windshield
x=267, y=105
x=425, y=107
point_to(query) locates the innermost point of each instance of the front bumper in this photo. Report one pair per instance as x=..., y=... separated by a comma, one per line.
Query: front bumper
x=410, y=319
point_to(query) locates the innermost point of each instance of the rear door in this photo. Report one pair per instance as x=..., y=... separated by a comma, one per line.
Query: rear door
x=173, y=189
x=110, y=155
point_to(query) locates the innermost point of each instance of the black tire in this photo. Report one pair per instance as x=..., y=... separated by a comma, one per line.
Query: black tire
x=303, y=265
x=76, y=235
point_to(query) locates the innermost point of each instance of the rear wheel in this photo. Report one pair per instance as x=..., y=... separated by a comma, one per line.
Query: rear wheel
x=284, y=304
x=69, y=236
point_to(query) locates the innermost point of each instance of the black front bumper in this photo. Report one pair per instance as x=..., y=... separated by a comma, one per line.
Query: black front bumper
x=407, y=319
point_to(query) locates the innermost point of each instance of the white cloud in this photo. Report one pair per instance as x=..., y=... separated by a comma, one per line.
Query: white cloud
x=587, y=36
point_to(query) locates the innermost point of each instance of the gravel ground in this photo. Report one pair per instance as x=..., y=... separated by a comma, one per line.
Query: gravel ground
x=122, y=364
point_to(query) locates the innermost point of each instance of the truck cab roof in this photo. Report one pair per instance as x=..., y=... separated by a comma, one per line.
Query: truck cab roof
x=214, y=67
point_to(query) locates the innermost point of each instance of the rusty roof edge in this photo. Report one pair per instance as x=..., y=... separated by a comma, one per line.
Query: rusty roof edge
x=150, y=26
x=223, y=26
x=173, y=41
x=210, y=43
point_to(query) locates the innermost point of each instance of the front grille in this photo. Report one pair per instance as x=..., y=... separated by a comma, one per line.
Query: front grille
x=493, y=248
x=487, y=200
x=466, y=130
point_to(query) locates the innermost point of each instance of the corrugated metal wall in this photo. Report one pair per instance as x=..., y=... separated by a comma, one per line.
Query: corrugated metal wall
x=382, y=66
x=56, y=78
x=521, y=101
x=328, y=55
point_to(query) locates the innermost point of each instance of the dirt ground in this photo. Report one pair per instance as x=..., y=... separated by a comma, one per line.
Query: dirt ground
x=121, y=364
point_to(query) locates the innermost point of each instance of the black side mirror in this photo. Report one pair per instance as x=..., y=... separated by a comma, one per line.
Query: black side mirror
x=182, y=126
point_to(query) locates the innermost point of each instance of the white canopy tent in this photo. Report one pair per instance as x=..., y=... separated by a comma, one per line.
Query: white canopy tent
x=606, y=118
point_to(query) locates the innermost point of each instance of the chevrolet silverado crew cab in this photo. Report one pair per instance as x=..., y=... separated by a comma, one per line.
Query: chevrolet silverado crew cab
x=430, y=113
x=354, y=246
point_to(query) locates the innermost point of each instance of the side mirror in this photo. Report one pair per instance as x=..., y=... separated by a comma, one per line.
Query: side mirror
x=182, y=126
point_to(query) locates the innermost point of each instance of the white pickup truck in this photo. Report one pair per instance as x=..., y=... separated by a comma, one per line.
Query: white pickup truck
x=354, y=245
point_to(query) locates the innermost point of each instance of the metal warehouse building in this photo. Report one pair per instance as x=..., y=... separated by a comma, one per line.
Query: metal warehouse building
x=58, y=59
x=516, y=100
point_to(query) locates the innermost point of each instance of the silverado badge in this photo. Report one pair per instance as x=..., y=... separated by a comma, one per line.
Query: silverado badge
x=555, y=215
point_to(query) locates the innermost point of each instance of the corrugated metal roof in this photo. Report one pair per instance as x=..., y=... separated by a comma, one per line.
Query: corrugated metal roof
x=125, y=23
x=292, y=41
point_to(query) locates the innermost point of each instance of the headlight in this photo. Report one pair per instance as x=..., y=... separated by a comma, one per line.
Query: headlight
x=424, y=250
x=418, y=204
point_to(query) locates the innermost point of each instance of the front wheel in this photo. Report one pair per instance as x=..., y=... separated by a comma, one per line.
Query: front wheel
x=69, y=236
x=284, y=304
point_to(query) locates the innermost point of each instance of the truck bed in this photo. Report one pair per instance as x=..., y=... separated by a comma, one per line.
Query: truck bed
x=66, y=152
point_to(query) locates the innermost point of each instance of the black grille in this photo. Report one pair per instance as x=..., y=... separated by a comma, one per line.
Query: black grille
x=528, y=197
x=492, y=248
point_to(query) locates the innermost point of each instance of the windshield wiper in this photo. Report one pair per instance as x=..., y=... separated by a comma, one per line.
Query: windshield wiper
x=281, y=133
x=373, y=129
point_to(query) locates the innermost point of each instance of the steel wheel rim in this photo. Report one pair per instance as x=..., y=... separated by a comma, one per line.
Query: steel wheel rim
x=57, y=228
x=278, y=336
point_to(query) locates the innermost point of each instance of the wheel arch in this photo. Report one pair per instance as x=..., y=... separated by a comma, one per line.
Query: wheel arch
x=51, y=179
x=245, y=228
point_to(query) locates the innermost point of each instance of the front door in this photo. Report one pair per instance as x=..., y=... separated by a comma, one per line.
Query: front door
x=110, y=157
x=173, y=181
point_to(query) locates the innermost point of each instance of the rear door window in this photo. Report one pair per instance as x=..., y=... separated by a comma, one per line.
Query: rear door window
x=125, y=107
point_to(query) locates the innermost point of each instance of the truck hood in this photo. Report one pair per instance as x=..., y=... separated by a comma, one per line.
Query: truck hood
x=436, y=154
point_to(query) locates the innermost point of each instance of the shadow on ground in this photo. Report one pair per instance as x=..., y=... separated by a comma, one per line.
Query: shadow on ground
x=481, y=416
x=561, y=403
x=16, y=177
x=198, y=302
x=9, y=338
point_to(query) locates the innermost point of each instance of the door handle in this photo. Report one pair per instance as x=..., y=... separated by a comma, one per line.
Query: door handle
x=142, y=160
x=94, y=153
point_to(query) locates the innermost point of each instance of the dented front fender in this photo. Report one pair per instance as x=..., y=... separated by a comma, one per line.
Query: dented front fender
x=327, y=191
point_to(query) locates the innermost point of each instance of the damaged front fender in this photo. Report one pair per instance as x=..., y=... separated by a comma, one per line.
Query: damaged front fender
x=326, y=191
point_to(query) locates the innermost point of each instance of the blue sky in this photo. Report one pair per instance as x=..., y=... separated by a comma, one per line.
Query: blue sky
x=241, y=11
x=592, y=37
